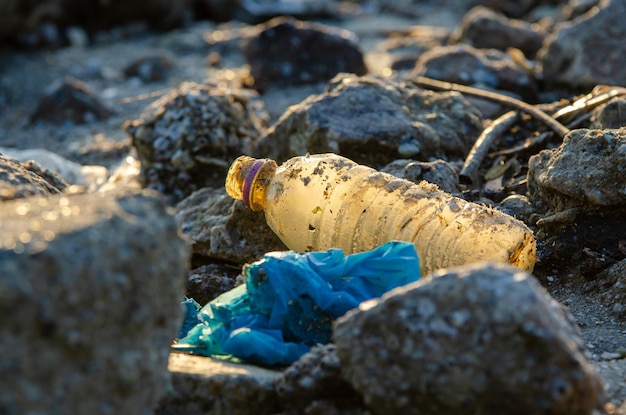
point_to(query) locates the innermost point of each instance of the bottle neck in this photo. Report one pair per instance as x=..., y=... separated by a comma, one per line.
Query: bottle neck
x=248, y=179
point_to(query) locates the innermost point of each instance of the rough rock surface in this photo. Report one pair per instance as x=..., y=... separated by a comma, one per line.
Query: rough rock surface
x=201, y=385
x=220, y=228
x=485, y=338
x=614, y=278
x=150, y=68
x=291, y=52
x=612, y=115
x=17, y=182
x=314, y=382
x=208, y=281
x=587, y=170
x=483, y=28
x=405, y=47
x=90, y=289
x=467, y=65
x=572, y=55
x=187, y=139
x=373, y=122
x=71, y=100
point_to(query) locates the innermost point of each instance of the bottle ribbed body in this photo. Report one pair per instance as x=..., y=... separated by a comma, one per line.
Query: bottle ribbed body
x=316, y=202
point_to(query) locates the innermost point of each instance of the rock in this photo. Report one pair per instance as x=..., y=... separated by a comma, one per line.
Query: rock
x=483, y=28
x=517, y=206
x=512, y=8
x=485, y=338
x=202, y=385
x=589, y=50
x=438, y=172
x=50, y=176
x=611, y=116
x=220, y=228
x=70, y=100
x=374, y=122
x=149, y=68
x=61, y=171
x=464, y=64
x=90, y=290
x=314, y=382
x=187, y=139
x=18, y=182
x=254, y=11
x=209, y=281
x=290, y=52
x=405, y=48
x=613, y=282
x=588, y=170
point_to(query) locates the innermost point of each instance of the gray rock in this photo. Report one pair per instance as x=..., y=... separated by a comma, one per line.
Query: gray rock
x=314, y=382
x=90, y=291
x=613, y=291
x=208, y=281
x=438, y=172
x=202, y=385
x=290, y=52
x=587, y=170
x=404, y=49
x=513, y=8
x=611, y=115
x=187, y=139
x=374, y=122
x=70, y=100
x=464, y=64
x=255, y=11
x=483, y=28
x=589, y=50
x=482, y=339
x=220, y=228
x=517, y=206
x=150, y=68
x=16, y=181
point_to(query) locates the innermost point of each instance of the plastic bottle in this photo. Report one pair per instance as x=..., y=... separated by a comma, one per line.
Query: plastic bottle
x=317, y=202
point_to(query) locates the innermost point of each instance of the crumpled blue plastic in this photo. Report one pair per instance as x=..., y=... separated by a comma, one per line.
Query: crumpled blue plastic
x=290, y=299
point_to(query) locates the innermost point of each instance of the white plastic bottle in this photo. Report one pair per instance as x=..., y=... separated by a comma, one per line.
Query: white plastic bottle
x=317, y=202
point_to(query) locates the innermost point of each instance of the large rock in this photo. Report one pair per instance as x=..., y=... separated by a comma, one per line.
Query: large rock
x=588, y=170
x=90, y=291
x=589, y=50
x=483, y=339
x=290, y=52
x=223, y=229
x=70, y=100
x=483, y=28
x=467, y=65
x=187, y=139
x=373, y=121
x=313, y=384
x=17, y=182
x=202, y=385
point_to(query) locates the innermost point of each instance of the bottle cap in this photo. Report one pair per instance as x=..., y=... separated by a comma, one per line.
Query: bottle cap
x=247, y=180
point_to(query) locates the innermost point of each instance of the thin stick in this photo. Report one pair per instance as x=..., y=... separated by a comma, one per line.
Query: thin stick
x=434, y=84
x=469, y=172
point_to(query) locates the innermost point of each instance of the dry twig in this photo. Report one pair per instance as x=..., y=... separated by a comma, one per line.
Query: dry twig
x=434, y=84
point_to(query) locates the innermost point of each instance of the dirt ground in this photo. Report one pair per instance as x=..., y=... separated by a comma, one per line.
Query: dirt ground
x=25, y=75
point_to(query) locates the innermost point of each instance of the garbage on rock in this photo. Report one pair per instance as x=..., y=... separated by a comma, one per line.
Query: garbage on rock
x=322, y=201
x=290, y=299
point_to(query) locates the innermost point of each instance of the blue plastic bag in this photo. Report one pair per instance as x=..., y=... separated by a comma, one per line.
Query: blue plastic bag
x=290, y=300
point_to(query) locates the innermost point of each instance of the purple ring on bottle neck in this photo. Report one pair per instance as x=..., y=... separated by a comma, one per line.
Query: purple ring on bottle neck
x=247, y=182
